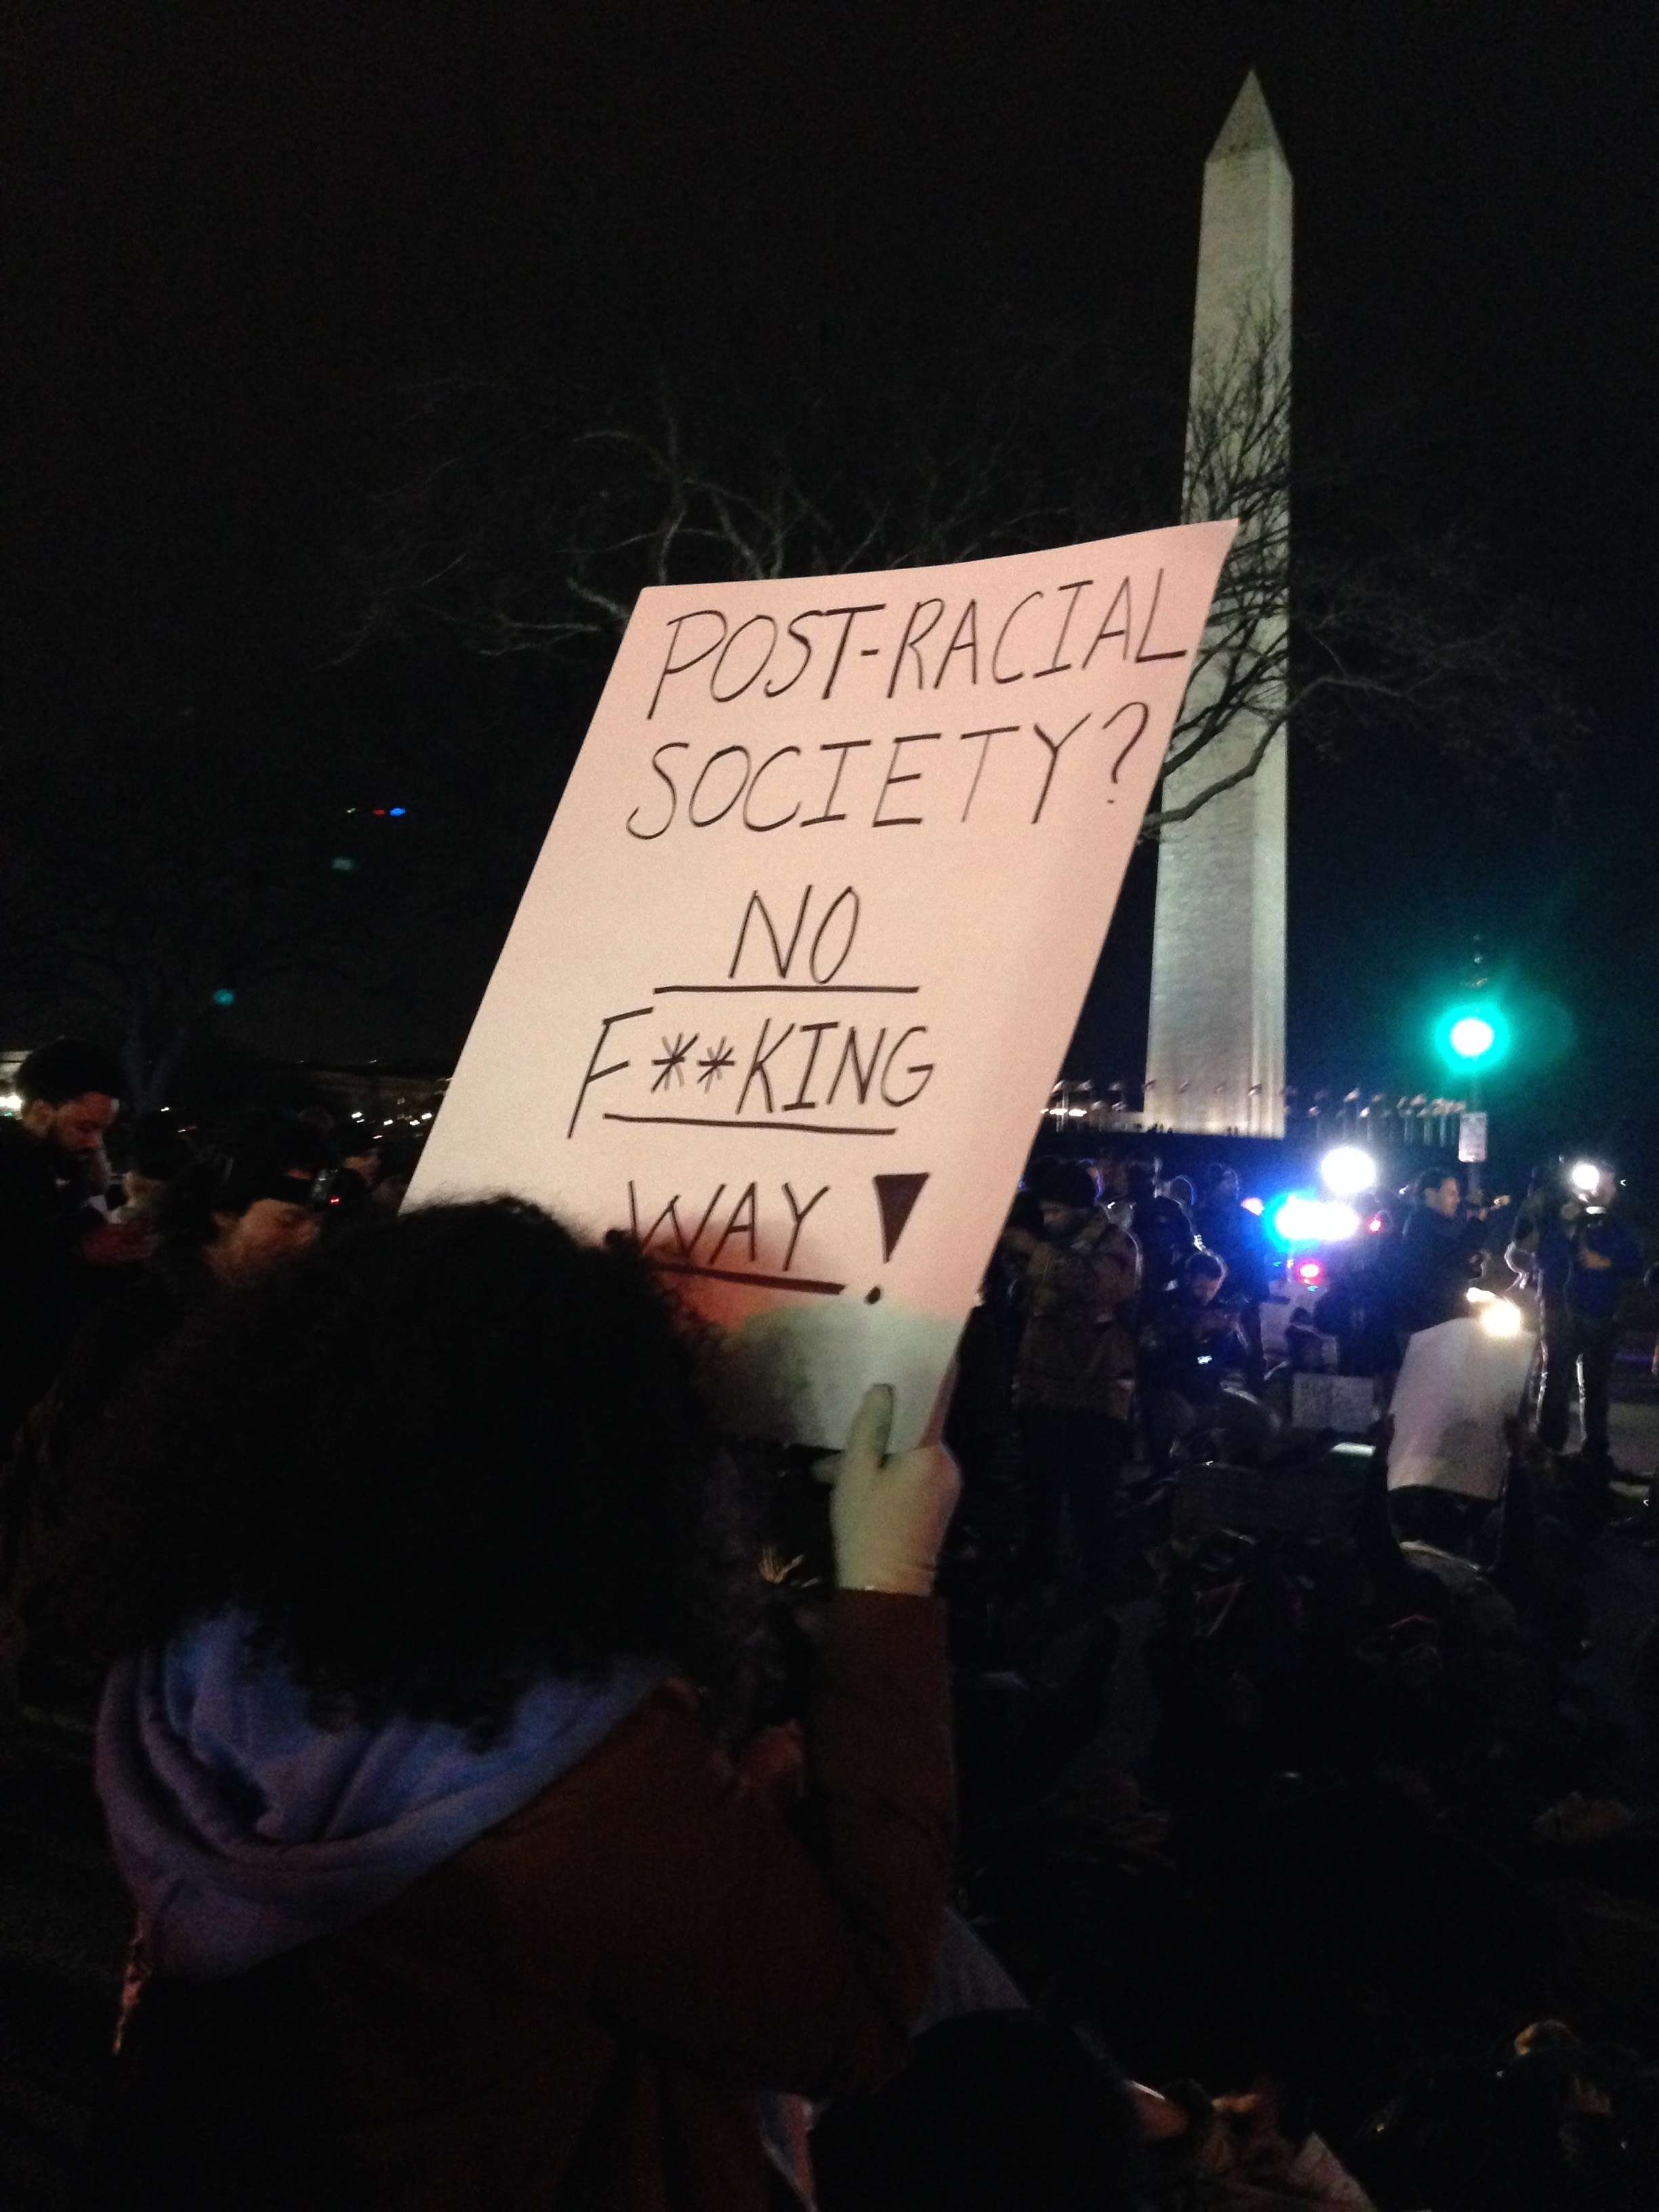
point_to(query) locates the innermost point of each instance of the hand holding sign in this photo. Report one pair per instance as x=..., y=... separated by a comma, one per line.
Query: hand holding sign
x=809, y=931
x=888, y=1517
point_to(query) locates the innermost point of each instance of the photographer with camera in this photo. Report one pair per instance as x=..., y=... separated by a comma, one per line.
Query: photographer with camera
x=1582, y=1258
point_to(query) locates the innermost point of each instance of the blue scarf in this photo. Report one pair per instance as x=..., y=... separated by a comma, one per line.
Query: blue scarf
x=243, y=1829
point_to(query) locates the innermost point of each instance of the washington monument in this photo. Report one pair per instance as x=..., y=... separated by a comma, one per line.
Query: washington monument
x=1216, y=1047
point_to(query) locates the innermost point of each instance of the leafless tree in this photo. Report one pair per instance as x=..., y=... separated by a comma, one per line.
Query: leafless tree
x=525, y=527
x=1345, y=632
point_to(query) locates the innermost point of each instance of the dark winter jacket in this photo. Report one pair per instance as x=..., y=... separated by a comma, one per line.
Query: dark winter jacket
x=54, y=1509
x=1433, y=1277
x=45, y=1283
x=1564, y=1281
x=1077, y=1353
x=1236, y=1235
x=366, y=1999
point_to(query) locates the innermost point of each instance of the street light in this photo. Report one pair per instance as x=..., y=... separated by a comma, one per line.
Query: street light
x=1347, y=1170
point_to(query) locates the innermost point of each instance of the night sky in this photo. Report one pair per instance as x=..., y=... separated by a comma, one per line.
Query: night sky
x=241, y=228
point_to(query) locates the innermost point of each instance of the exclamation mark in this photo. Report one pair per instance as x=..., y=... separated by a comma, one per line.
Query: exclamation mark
x=896, y=1196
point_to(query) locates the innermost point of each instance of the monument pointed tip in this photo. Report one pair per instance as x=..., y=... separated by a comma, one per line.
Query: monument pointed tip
x=1249, y=125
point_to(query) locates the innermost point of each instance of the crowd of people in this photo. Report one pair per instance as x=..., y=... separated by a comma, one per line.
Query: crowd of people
x=532, y=1795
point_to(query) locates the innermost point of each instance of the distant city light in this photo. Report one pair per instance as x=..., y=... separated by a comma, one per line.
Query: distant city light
x=1348, y=1171
x=397, y=812
x=224, y=998
x=342, y=863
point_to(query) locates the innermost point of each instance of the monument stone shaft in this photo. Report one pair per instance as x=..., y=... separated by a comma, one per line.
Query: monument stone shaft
x=1216, y=1045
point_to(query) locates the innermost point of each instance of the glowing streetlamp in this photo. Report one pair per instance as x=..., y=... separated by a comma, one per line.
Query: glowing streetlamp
x=1347, y=1170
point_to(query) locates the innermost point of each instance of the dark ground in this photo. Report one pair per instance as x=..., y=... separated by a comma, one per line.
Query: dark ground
x=64, y=1923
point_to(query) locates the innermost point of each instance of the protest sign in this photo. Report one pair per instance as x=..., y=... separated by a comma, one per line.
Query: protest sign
x=1457, y=1385
x=1344, y=1404
x=810, y=933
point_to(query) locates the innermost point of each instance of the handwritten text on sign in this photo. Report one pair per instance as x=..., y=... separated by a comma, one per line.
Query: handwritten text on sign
x=811, y=932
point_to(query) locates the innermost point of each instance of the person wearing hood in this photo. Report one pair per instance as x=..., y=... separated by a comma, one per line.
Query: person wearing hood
x=444, y=1895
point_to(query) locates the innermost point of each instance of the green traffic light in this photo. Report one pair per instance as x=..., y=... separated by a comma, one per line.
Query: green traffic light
x=1472, y=1038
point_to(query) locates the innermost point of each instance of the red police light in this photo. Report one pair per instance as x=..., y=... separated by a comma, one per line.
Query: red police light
x=1375, y=1224
x=1310, y=1271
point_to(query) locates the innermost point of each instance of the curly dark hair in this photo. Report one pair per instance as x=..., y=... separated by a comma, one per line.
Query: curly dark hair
x=69, y=1068
x=440, y=1458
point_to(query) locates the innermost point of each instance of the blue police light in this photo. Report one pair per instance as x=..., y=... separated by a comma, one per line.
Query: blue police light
x=1299, y=1218
x=397, y=812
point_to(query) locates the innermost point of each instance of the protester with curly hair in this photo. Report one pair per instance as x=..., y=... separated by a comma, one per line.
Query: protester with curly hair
x=445, y=1896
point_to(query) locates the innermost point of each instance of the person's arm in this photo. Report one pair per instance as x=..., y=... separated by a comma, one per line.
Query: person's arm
x=718, y=1932
x=1521, y=1255
x=773, y=1964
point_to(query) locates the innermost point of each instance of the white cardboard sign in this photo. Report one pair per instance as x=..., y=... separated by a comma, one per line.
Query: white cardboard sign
x=808, y=936
x=1457, y=1385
